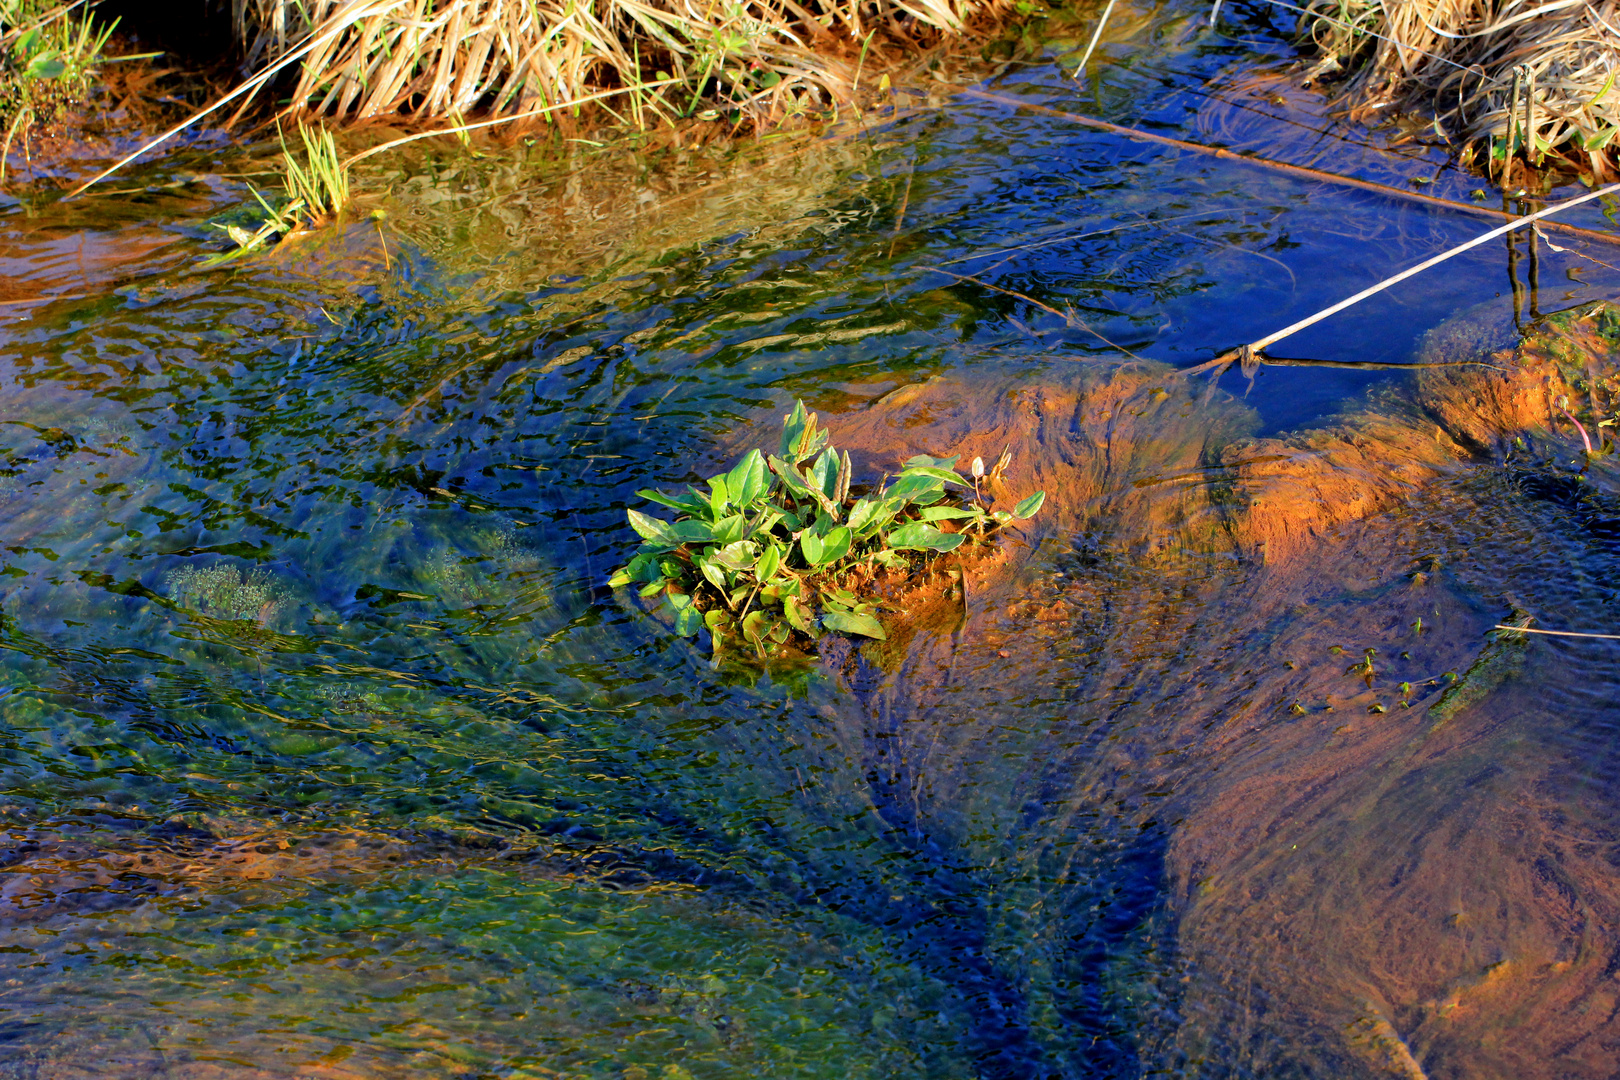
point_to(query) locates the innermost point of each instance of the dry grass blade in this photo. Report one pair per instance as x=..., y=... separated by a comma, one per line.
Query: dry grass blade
x=1554, y=633
x=246, y=90
x=1091, y=46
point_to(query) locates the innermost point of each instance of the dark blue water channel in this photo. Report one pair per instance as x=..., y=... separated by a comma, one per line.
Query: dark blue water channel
x=324, y=749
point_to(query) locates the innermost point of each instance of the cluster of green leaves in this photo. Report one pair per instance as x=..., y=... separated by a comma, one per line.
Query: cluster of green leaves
x=763, y=552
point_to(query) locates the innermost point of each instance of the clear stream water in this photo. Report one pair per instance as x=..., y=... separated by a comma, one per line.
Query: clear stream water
x=325, y=752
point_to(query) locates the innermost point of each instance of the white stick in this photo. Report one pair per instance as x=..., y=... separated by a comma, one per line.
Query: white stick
x=1555, y=633
x=1080, y=72
x=1518, y=223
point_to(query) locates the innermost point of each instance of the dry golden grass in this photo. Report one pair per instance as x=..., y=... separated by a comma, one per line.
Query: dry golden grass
x=1526, y=80
x=760, y=61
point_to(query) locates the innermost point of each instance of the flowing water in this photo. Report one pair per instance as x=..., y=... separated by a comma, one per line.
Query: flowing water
x=326, y=752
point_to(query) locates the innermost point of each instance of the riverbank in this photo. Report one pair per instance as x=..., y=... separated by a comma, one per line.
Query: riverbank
x=1513, y=90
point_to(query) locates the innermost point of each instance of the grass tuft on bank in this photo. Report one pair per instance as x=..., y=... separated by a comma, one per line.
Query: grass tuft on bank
x=646, y=62
x=49, y=53
x=1512, y=84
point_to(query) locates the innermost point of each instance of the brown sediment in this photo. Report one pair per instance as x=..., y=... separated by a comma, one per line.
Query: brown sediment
x=1121, y=443
x=1268, y=650
x=1382, y=861
x=45, y=873
x=1570, y=359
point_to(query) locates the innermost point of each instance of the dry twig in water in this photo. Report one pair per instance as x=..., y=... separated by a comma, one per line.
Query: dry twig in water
x=1250, y=354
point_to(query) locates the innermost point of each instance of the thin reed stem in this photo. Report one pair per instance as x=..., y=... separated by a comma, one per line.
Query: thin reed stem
x=1091, y=46
x=1483, y=238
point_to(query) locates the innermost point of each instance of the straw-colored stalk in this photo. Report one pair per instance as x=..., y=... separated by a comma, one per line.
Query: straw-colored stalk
x=760, y=61
x=1527, y=80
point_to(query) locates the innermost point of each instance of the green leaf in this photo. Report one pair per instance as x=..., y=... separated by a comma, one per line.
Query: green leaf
x=756, y=625
x=45, y=66
x=809, y=442
x=867, y=515
x=796, y=483
x=763, y=523
x=715, y=574
x=944, y=476
x=769, y=560
x=716, y=620
x=682, y=503
x=920, y=537
x=651, y=528
x=834, y=546
x=692, y=532
x=840, y=596
x=652, y=588
x=908, y=487
x=720, y=495
x=824, y=473
x=950, y=513
x=933, y=462
x=737, y=557
x=789, y=520
x=792, y=429
x=1599, y=139
x=1029, y=507
x=728, y=530
x=798, y=615
x=748, y=480
x=643, y=567
x=811, y=547
x=688, y=622
x=849, y=622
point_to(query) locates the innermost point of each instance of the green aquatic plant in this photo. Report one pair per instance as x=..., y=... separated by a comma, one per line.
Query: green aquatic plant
x=314, y=191
x=320, y=185
x=776, y=545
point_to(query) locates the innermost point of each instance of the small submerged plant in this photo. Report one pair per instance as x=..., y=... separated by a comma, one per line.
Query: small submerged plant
x=314, y=192
x=774, y=548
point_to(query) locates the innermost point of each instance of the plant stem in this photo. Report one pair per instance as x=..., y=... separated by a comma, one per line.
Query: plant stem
x=1578, y=427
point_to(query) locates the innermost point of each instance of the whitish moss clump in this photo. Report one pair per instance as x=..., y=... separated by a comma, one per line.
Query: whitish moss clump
x=225, y=592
